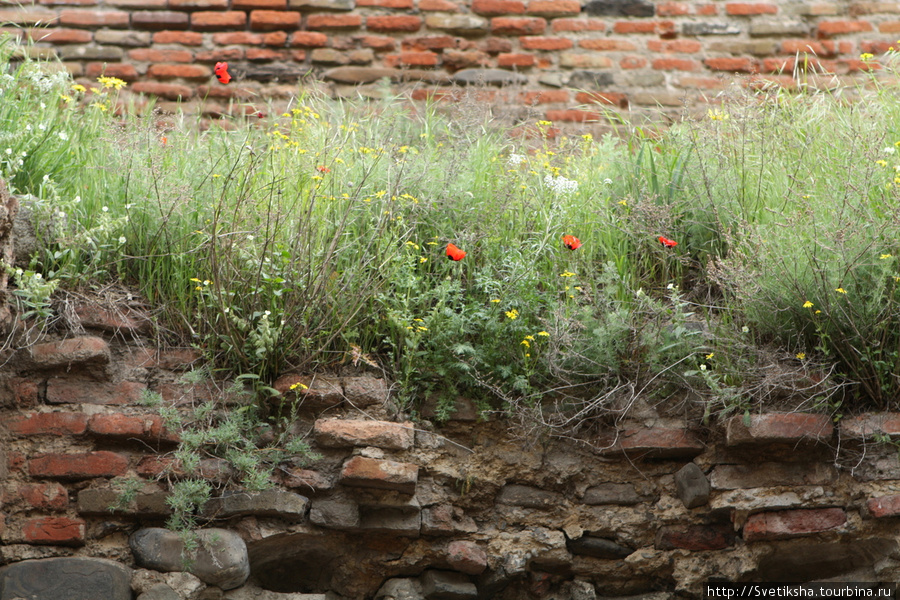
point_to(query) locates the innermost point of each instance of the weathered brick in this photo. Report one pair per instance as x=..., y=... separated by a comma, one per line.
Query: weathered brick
x=681, y=46
x=56, y=531
x=275, y=38
x=125, y=72
x=545, y=43
x=492, y=8
x=195, y=4
x=142, y=427
x=633, y=62
x=553, y=8
x=74, y=351
x=61, y=36
x=704, y=83
x=578, y=25
x=509, y=60
x=237, y=37
x=360, y=471
x=400, y=4
x=439, y=6
x=376, y=42
x=111, y=53
x=653, y=442
x=28, y=16
x=160, y=19
x=747, y=8
x=606, y=44
x=309, y=39
x=584, y=61
x=657, y=27
x=418, y=44
x=868, y=425
x=305, y=479
x=185, y=38
x=458, y=24
x=672, y=9
x=456, y=59
x=44, y=496
x=394, y=23
x=696, y=538
x=768, y=526
x=61, y=390
x=265, y=54
x=207, y=21
x=69, y=2
x=271, y=20
x=259, y=4
x=219, y=55
x=445, y=519
x=161, y=56
x=137, y=4
x=883, y=506
x=466, y=557
x=339, y=433
x=518, y=25
x=104, y=319
x=543, y=97
x=771, y=474
x=327, y=21
x=613, y=98
x=50, y=423
x=732, y=64
x=78, y=466
x=830, y=28
x=788, y=428
x=574, y=116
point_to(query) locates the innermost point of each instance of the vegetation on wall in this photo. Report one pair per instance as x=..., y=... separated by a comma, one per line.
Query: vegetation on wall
x=743, y=258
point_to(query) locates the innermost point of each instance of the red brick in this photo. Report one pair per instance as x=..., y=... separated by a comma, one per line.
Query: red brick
x=683, y=46
x=744, y=8
x=51, y=423
x=205, y=21
x=76, y=391
x=259, y=4
x=170, y=91
x=309, y=39
x=545, y=43
x=154, y=466
x=498, y=7
x=119, y=426
x=613, y=98
x=195, y=4
x=606, y=44
x=868, y=425
x=15, y=461
x=185, y=38
x=553, y=8
x=696, y=538
x=706, y=10
x=787, y=524
x=830, y=28
x=24, y=391
x=820, y=48
x=123, y=71
x=672, y=9
x=439, y=6
x=44, y=496
x=889, y=26
x=275, y=38
x=360, y=471
x=705, y=83
x=572, y=115
x=61, y=36
x=518, y=25
x=633, y=62
x=394, y=23
x=69, y=2
x=653, y=442
x=376, y=42
x=429, y=42
x=467, y=557
x=495, y=45
x=85, y=349
x=544, y=97
x=883, y=506
x=160, y=56
x=675, y=64
x=271, y=20
x=18, y=16
x=578, y=25
x=237, y=37
x=786, y=428
x=160, y=19
x=402, y=4
x=341, y=433
x=515, y=60
x=94, y=18
x=56, y=531
x=219, y=55
x=328, y=21
x=733, y=65
x=657, y=27
x=805, y=64
x=265, y=54
x=78, y=466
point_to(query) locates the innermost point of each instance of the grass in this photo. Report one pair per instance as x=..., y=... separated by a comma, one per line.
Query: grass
x=292, y=241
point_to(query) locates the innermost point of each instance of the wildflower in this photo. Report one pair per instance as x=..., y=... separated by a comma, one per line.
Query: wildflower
x=881, y=162
x=221, y=71
x=889, y=150
x=111, y=82
x=710, y=355
x=454, y=253
x=808, y=304
x=567, y=274
x=194, y=279
x=105, y=209
x=530, y=338
x=544, y=123
x=623, y=202
x=745, y=329
x=866, y=56
x=414, y=245
x=495, y=300
x=717, y=115
x=801, y=355
x=422, y=259
x=78, y=88
x=818, y=312
x=65, y=98
x=607, y=181
x=561, y=185
x=884, y=256
x=667, y=242
x=543, y=334
x=323, y=169
x=299, y=385
x=702, y=367
x=526, y=343
x=122, y=239
x=571, y=242
x=840, y=290
x=512, y=315
x=63, y=136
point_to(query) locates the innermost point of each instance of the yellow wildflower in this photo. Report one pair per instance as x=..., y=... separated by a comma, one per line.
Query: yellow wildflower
x=512, y=314
x=299, y=385
x=840, y=290
x=807, y=304
x=543, y=333
x=801, y=355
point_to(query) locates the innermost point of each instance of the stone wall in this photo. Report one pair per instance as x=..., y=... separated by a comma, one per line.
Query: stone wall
x=560, y=60
x=397, y=509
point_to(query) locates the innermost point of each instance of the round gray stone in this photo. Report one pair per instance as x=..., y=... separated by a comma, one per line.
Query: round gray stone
x=66, y=579
x=221, y=558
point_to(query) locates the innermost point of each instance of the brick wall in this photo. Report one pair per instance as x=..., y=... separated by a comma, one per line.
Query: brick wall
x=561, y=57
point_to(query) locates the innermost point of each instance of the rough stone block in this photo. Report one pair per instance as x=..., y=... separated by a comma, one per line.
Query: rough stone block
x=66, y=579
x=390, y=521
x=457, y=24
x=400, y=589
x=779, y=428
x=730, y=477
x=314, y=393
x=305, y=479
x=94, y=316
x=695, y=538
x=622, y=494
x=149, y=501
x=446, y=585
x=529, y=497
x=444, y=519
x=620, y=8
x=221, y=558
x=466, y=557
x=267, y=503
x=787, y=524
x=597, y=547
x=338, y=433
x=498, y=77
x=692, y=486
x=366, y=391
x=334, y=514
x=380, y=474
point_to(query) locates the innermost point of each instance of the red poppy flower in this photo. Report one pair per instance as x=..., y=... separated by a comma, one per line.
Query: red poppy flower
x=454, y=253
x=221, y=71
x=667, y=242
x=323, y=169
x=571, y=242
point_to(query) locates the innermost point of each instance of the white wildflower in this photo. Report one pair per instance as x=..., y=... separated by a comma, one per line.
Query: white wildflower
x=63, y=136
x=560, y=185
x=515, y=160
